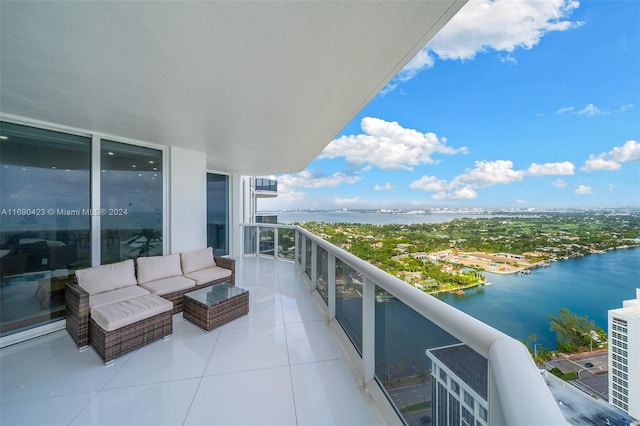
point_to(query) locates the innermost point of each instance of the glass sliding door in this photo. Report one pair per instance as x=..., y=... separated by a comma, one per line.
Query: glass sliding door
x=218, y=213
x=131, y=201
x=44, y=222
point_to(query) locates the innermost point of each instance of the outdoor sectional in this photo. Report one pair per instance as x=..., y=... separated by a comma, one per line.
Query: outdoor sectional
x=117, y=308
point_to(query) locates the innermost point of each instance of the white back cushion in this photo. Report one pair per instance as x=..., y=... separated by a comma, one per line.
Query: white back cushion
x=158, y=267
x=107, y=277
x=197, y=260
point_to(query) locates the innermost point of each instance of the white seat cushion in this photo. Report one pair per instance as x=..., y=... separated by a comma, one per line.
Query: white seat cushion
x=158, y=267
x=168, y=285
x=107, y=277
x=196, y=260
x=204, y=276
x=117, y=315
x=117, y=295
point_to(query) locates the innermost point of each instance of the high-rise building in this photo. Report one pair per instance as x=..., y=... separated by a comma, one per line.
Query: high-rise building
x=459, y=386
x=624, y=356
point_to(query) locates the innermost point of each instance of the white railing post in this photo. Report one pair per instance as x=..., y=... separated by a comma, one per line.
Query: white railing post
x=296, y=249
x=368, y=330
x=314, y=265
x=331, y=284
x=303, y=253
x=275, y=242
x=257, y=246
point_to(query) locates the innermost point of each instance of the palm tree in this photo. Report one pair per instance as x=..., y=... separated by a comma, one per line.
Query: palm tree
x=146, y=239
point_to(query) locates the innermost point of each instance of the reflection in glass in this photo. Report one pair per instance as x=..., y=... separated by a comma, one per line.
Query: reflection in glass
x=349, y=302
x=307, y=255
x=267, y=236
x=130, y=201
x=402, y=338
x=300, y=244
x=218, y=213
x=250, y=239
x=45, y=222
x=286, y=243
x=323, y=273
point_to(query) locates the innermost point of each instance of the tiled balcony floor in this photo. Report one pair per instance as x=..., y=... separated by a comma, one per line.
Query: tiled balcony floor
x=279, y=365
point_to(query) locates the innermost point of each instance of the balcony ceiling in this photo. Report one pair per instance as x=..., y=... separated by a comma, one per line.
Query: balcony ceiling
x=261, y=87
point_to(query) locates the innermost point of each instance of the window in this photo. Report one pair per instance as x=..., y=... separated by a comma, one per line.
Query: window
x=483, y=413
x=443, y=375
x=455, y=387
x=218, y=213
x=130, y=201
x=468, y=399
x=45, y=222
x=45, y=228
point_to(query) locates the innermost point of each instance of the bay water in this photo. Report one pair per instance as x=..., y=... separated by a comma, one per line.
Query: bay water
x=519, y=305
x=516, y=304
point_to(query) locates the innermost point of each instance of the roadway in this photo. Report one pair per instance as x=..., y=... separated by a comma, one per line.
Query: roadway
x=592, y=369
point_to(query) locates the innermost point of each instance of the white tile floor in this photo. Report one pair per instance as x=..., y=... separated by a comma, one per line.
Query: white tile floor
x=279, y=365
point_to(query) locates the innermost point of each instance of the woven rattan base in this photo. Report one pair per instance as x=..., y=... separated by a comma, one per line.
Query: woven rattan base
x=210, y=317
x=112, y=344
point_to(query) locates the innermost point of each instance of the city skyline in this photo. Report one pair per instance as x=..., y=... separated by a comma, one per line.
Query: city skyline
x=527, y=105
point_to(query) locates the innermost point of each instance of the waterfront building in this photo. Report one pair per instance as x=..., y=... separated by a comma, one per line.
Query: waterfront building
x=134, y=129
x=624, y=356
x=458, y=387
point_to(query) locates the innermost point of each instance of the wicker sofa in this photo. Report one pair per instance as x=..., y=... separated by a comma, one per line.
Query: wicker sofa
x=174, y=275
x=117, y=310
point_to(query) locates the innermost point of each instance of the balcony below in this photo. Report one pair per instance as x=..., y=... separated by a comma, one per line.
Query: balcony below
x=280, y=364
x=266, y=188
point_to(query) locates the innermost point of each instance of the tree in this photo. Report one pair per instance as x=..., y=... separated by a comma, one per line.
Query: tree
x=572, y=331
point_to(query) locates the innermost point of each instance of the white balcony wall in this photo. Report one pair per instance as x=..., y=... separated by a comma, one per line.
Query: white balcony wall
x=188, y=199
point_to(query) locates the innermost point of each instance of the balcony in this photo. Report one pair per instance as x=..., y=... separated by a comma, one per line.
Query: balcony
x=277, y=365
x=266, y=188
x=346, y=347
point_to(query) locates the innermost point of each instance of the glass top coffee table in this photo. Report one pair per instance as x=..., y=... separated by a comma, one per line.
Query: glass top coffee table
x=213, y=306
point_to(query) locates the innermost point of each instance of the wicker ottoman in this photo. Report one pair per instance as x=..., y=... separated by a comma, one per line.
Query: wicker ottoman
x=120, y=327
x=213, y=306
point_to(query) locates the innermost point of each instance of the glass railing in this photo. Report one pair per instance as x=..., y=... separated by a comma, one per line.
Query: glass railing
x=421, y=360
x=266, y=185
x=270, y=240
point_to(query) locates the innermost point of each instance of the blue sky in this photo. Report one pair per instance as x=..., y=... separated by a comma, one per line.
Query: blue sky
x=528, y=104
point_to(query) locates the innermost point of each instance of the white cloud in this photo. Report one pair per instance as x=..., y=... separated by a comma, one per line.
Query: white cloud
x=430, y=183
x=306, y=179
x=386, y=187
x=590, y=110
x=628, y=152
x=492, y=25
x=599, y=162
x=583, y=190
x=559, y=183
x=489, y=173
x=464, y=193
x=566, y=109
x=346, y=201
x=612, y=187
x=551, y=169
x=464, y=186
x=521, y=201
x=388, y=146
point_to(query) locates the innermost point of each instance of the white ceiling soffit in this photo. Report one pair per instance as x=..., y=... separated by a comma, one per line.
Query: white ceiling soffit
x=261, y=87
